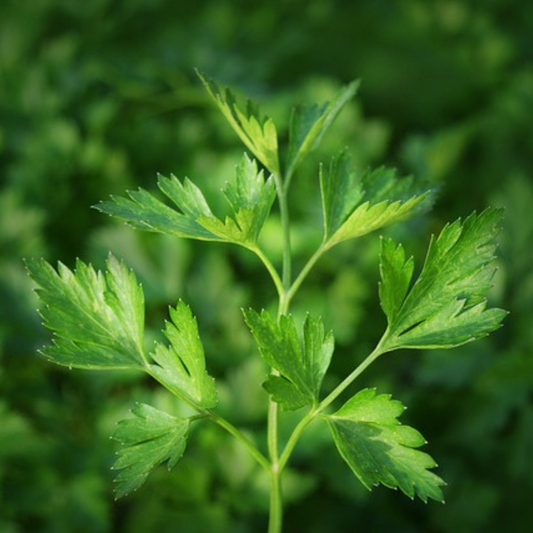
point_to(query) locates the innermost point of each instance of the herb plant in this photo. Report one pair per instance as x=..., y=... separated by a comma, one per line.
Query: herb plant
x=98, y=317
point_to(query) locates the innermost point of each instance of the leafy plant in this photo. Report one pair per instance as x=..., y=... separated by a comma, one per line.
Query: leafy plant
x=98, y=317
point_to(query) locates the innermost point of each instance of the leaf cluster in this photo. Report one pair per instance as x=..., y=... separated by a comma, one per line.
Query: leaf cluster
x=355, y=204
x=249, y=195
x=98, y=321
x=446, y=306
x=98, y=318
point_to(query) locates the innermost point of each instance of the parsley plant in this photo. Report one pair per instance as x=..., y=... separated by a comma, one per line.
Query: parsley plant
x=98, y=317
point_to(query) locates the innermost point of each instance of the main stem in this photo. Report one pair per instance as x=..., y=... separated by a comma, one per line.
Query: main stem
x=285, y=224
x=276, y=500
x=286, y=290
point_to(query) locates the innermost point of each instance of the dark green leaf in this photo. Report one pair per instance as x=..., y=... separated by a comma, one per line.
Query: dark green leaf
x=446, y=306
x=181, y=366
x=396, y=274
x=309, y=123
x=379, y=449
x=301, y=366
x=97, y=318
x=354, y=205
x=149, y=439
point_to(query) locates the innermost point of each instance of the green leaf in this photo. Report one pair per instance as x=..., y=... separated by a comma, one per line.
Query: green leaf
x=396, y=273
x=250, y=198
x=181, y=366
x=249, y=195
x=301, y=366
x=255, y=130
x=149, y=439
x=143, y=211
x=97, y=318
x=379, y=449
x=354, y=205
x=446, y=306
x=309, y=123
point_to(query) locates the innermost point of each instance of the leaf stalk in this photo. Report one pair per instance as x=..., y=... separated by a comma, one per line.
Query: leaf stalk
x=239, y=435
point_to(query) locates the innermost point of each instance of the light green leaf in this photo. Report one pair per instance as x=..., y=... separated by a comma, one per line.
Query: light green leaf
x=249, y=195
x=256, y=131
x=446, y=306
x=149, y=439
x=379, y=449
x=250, y=198
x=354, y=205
x=143, y=211
x=181, y=366
x=309, y=123
x=301, y=366
x=97, y=318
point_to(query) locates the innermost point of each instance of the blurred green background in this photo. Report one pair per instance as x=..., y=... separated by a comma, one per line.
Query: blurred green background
x=98, y=97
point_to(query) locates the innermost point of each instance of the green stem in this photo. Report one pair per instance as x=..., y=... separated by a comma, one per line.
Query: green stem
x=288, y=178
x=276, y=503
x=217, y=419
x=304, y=272
x=295, y=436
x=275, y=519
x=239, y=435
x=273, y=272
x=272, y=435
x=276, y=500
x=326, y=402
x=348, y=380
x=285, y=224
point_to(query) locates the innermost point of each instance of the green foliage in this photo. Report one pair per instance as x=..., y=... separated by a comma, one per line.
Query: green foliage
x=379, y=449
x=446, y=306
x=249, y=195
x=98, y=318
x=256, y=131
x=151, y=438
x=250, y=198
x=103, y=106
x=144, y=211
x=308, y=124
x=356, y=205
x=181, y=366
x=301, y=366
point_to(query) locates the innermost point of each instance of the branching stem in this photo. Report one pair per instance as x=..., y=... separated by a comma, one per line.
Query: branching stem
x=219, y=420
x=333, y=395
x=325, y=403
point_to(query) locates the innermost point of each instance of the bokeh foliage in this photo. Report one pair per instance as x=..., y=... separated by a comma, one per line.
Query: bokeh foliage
x=98, y=97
